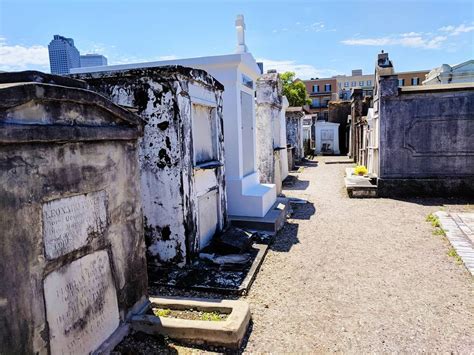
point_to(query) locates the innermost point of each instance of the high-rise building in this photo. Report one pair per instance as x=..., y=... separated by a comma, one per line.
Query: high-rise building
x=93, y=60
x=63, y=55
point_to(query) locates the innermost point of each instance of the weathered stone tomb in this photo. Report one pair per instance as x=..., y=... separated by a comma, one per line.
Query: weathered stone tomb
x=272, y=158
x=72, y=254
x=181, y=155
x=420, y=140
x=294, y=131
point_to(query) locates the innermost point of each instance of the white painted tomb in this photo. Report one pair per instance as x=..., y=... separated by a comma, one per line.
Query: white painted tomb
x=327, y=137
x=246, y=196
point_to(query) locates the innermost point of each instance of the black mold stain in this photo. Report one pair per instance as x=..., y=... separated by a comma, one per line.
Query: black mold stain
x=163, y=125
x=168, y=142
x=165, y=159
x=140, y=97
x=165, y=233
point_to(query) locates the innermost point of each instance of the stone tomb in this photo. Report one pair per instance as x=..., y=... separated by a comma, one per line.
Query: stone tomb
x=272, y=157
x=246, y=196
x=181, y=155
x=327, y=138
x=72, y=255
x=294, y=131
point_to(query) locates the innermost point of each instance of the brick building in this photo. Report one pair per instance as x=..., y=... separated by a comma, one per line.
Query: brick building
x=320, y=92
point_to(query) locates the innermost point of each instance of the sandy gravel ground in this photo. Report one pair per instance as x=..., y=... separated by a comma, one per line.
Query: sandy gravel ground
x=355, y=276
x=360, y=275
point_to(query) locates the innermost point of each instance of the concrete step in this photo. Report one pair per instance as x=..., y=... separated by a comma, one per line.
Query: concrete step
x=271, y=223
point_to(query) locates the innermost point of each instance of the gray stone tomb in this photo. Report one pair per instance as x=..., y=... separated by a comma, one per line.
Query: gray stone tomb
x=72, y=255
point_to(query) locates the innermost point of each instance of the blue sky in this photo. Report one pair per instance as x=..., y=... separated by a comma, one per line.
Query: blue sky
x=313, y=38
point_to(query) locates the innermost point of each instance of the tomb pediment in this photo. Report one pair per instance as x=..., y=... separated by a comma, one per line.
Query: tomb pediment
x=32, y=111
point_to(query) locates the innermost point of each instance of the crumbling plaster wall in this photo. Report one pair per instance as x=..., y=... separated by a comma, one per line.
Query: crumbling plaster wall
x=163, y=97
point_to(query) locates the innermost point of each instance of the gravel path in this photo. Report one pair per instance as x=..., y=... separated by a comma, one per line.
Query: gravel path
x=360, y=275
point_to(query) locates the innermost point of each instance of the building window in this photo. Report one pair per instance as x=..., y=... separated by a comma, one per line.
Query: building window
x=315, y=103
x=401, y=82
x=369, y=82
x=339, y=85
x=326, y=102
x=327, y=87
x=415, y=81
x=315, y=88
x=248, y=82
x=361, y=83
x=346, y=84
x=353, y=83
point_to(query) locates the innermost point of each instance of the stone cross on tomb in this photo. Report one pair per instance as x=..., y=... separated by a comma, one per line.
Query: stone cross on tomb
x=240, y=27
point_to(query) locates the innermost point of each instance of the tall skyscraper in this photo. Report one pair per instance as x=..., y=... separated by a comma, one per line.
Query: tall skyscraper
x=63, y=55
x=93, y=60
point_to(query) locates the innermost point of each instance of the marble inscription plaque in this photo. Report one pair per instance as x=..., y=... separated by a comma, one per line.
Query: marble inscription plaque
x=68, y=223
x=81, y=305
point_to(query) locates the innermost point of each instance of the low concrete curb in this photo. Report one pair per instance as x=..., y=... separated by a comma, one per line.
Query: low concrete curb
x=459, y=240
x=359, y=186
x=228, y=333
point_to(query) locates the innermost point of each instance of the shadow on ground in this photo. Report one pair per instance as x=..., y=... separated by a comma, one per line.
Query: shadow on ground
x=292, y=182
x=308, y=162
x=302, y=211
x=286, y=238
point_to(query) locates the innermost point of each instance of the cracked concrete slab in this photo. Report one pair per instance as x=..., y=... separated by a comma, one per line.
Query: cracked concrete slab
x=459, y=229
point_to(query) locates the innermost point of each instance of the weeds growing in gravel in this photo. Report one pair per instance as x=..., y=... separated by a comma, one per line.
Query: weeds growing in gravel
x=191, y=314
x=162, y=312
x=212, y=316
x=439, y=231
x=433, y=220
x=452, y=252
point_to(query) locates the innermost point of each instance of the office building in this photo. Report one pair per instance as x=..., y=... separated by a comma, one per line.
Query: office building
x=93, y=60
x=63, y=55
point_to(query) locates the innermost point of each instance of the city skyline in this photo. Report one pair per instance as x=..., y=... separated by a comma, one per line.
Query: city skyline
x=312, y=40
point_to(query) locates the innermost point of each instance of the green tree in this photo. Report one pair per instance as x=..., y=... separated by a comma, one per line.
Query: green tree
x=295, y=91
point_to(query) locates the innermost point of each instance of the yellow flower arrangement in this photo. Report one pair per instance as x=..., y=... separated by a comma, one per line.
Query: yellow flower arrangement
x=360, y=170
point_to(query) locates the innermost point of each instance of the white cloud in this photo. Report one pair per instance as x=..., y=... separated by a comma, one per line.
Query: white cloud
x=299, y=26
x=303, y=71
x=19, y=57
x=425, y=40
x=411, y=34
x=412, y=40
x=456, y=30
x=168, y=57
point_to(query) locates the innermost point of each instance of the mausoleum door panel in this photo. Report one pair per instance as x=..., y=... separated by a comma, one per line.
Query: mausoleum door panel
x=208, y=220
x=248, y=149
x=327, y=140
x=204, y=125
